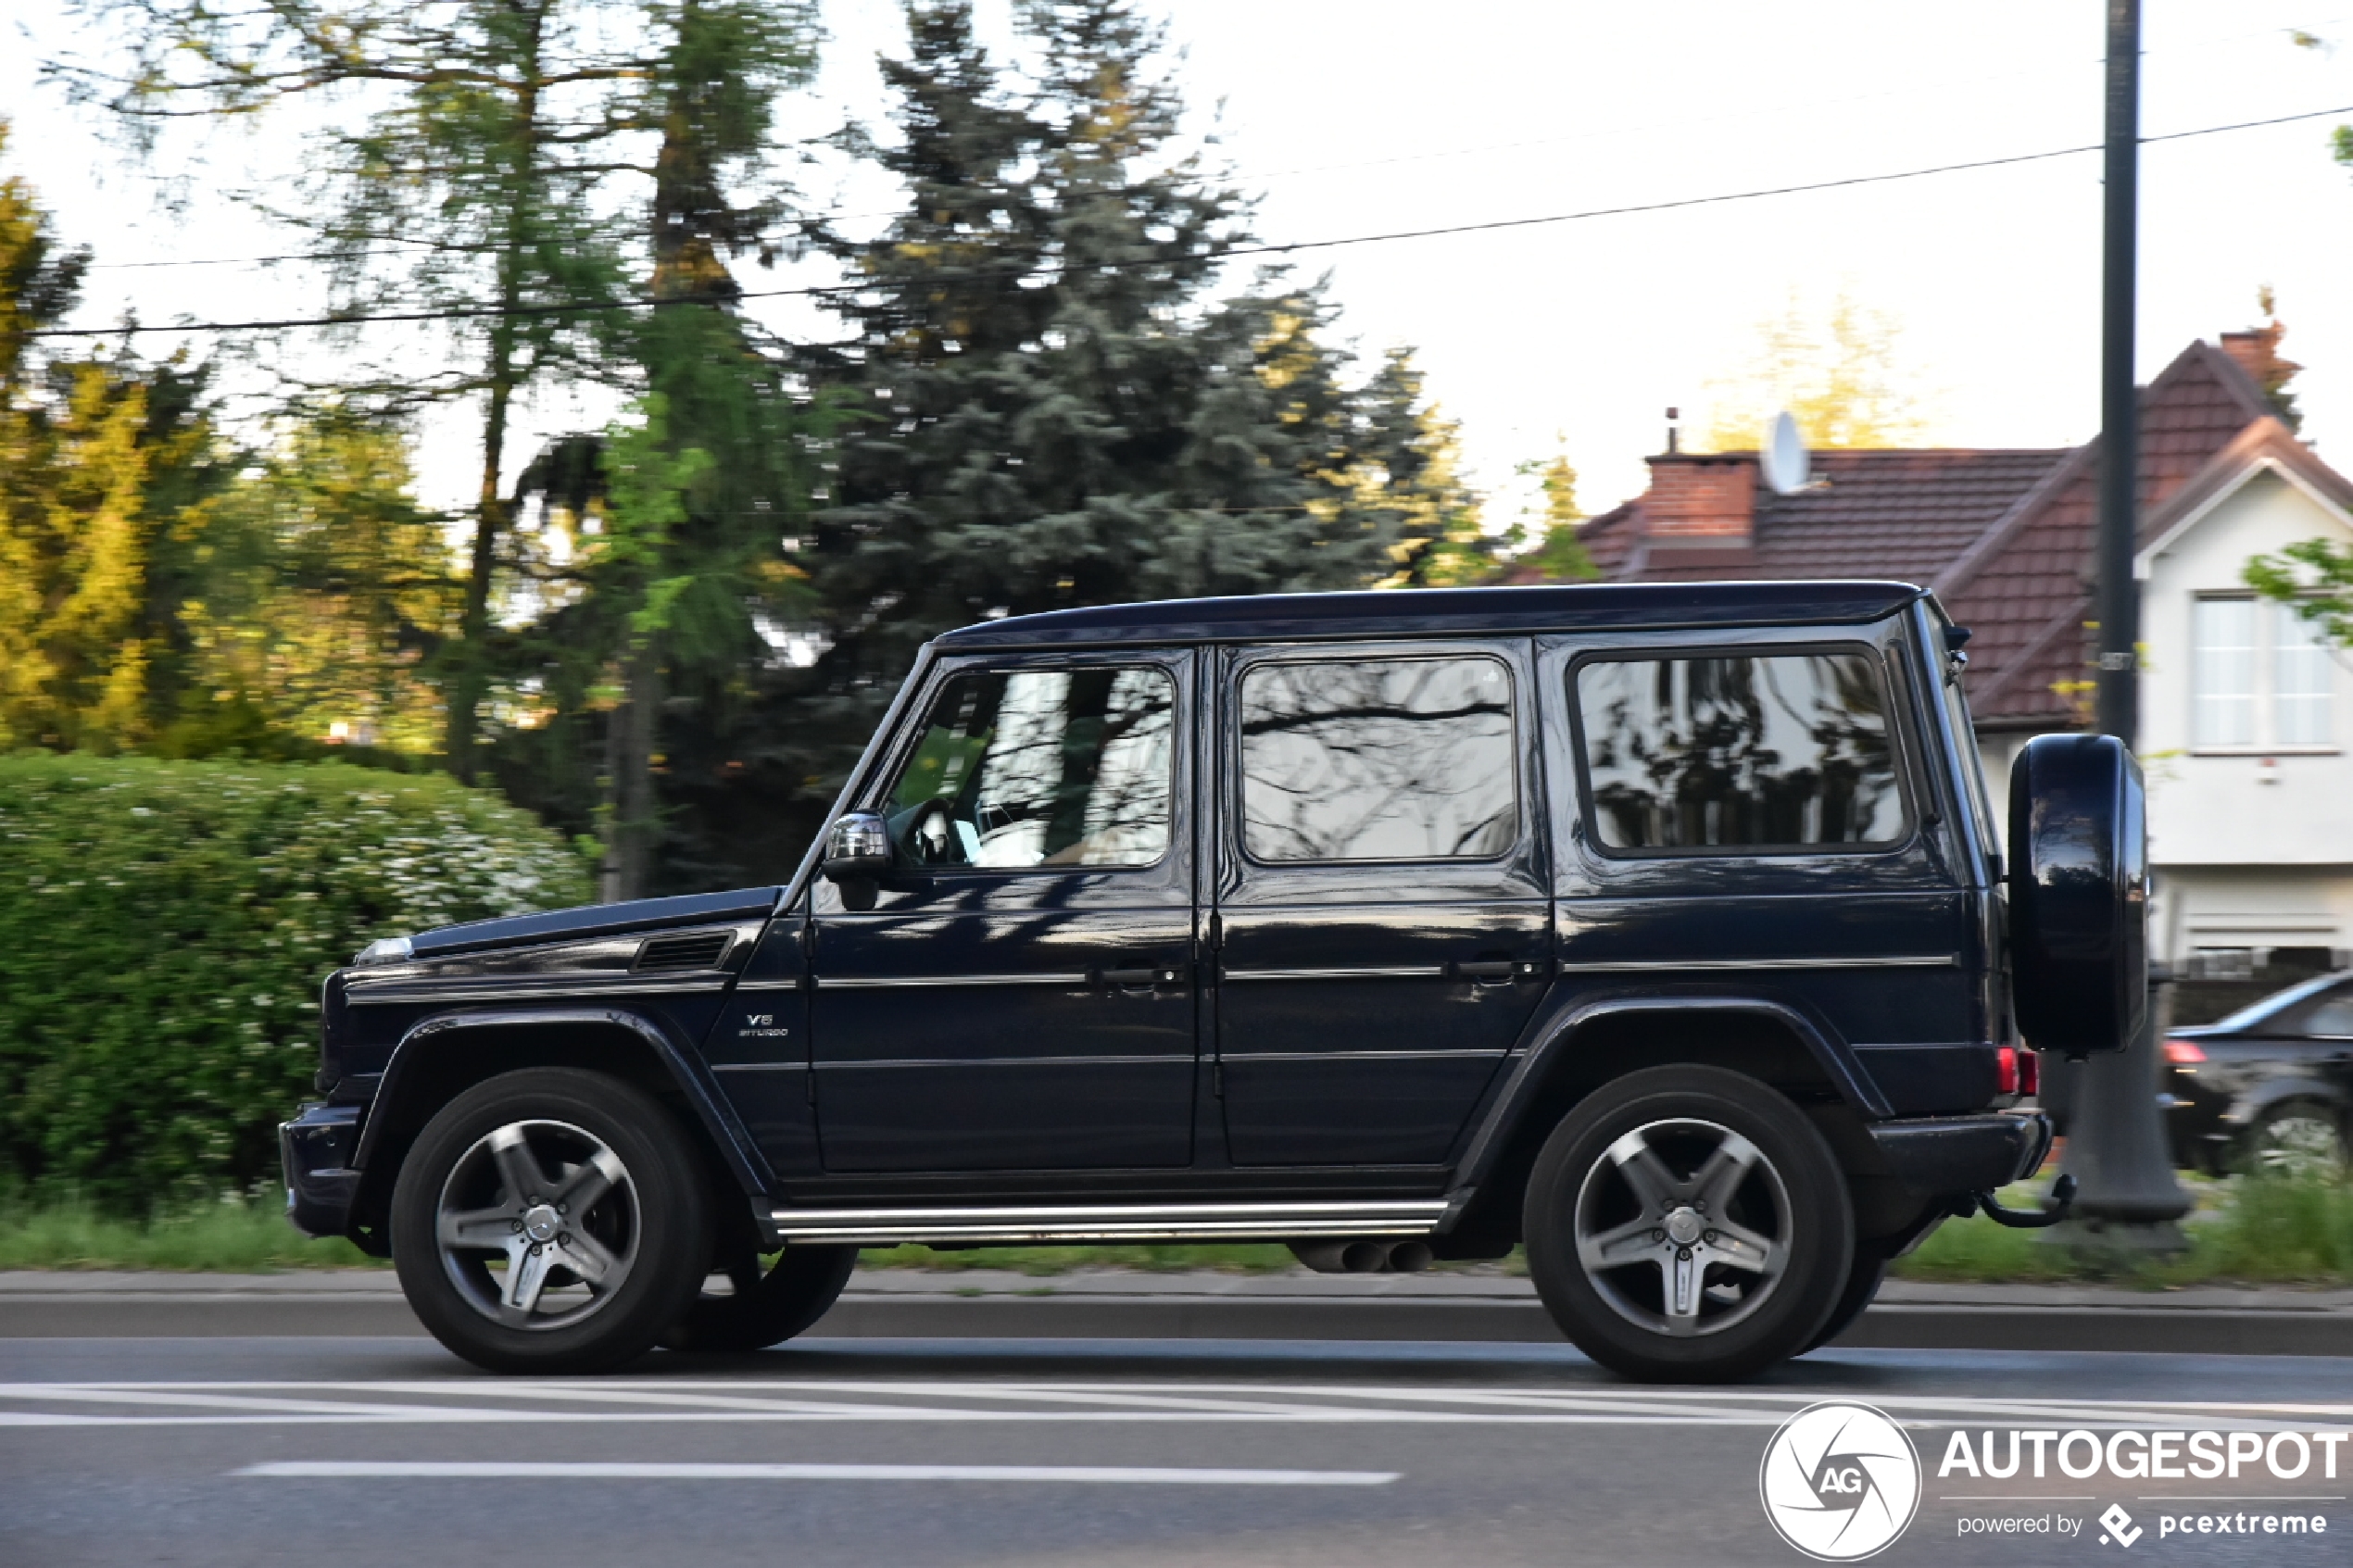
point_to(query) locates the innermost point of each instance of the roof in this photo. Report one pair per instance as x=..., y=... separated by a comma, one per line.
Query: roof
x=2003, y=537
x=1441, y=611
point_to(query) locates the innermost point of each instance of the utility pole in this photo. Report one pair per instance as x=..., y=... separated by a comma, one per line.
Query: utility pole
x=2116, y=1146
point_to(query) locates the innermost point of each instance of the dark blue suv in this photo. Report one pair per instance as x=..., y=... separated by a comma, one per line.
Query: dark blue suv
x=1664, y=928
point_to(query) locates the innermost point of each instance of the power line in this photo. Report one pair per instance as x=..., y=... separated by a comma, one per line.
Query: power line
x=480, y=312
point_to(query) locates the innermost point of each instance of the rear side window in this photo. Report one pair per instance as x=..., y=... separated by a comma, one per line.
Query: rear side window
x=1040, y=767
x=1378, y=759
x=1756, y=752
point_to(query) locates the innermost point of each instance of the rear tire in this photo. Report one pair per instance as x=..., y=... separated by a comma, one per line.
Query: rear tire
x=1862, y=1284
x=766, y=1309
x=588, y=1192
x=2300, y=1139
x=1689, y=1225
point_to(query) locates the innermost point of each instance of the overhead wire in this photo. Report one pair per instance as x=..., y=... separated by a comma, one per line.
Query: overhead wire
x=590, y=307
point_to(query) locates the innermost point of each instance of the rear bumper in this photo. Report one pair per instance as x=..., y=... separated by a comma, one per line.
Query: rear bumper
x=1956, y=1154
x=316, y=1149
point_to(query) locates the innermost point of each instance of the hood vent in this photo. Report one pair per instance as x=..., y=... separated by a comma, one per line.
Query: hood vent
x=695, y=949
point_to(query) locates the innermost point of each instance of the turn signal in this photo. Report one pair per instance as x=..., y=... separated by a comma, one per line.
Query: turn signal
x=2006, y=1070
x=2183, y=1053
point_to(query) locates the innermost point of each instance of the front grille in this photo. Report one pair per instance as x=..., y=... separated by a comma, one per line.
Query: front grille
x=695, y=949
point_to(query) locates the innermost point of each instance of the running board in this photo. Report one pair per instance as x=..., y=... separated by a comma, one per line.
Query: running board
x=1181, y=1222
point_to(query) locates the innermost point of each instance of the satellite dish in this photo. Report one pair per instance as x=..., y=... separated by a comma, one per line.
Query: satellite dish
x=1787, y=466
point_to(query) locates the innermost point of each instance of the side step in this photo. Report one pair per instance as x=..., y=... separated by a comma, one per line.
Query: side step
x=1150, y=1221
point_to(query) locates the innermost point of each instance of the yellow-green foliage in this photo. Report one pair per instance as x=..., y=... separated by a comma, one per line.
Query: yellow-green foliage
x=164, y=928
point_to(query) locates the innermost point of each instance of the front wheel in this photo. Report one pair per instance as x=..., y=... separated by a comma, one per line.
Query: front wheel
x=1687, y=1223
x=549, y=1221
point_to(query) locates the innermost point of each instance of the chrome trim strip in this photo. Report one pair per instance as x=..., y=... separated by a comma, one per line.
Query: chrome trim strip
x=1939, y=961
x=829, y=983
x=507, y=991
x=767, y=985
x=1393, y=972
x=1186, y=1058
x=760, y=1067
x=1127, y=1221
x=1234, y=1058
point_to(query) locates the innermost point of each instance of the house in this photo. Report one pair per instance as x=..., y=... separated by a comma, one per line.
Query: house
x=2244, y=715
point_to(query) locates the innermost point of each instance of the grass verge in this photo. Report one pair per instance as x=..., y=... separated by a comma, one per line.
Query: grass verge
x=232, y=1237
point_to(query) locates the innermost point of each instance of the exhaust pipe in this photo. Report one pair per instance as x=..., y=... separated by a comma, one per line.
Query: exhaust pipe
x=1364, y=1256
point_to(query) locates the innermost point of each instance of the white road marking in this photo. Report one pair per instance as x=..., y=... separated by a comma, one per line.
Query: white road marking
x=630, y=1401
x=599, y=1471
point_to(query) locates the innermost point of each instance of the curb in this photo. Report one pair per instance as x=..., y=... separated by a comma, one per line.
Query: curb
x=169, y=1309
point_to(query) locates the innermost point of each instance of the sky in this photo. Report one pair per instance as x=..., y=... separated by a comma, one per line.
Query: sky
x=1363, y=117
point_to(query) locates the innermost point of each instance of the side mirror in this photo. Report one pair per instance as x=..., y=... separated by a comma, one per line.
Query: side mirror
x=858, y=848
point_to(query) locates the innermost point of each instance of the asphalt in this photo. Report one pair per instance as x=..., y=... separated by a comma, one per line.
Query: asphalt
x=1107, y=1453
x=1445, y=1306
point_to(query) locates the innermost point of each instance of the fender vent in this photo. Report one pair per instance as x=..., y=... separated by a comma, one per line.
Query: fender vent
x=699, y=949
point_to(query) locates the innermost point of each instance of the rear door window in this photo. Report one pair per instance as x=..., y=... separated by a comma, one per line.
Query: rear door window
x=1741, y=752
x=1378, y=759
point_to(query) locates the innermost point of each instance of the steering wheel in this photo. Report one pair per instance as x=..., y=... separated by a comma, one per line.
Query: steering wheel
x=931, y=835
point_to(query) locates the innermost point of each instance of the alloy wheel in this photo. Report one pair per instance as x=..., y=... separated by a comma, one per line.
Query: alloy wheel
x=555, y=1206
x=1683, y=1227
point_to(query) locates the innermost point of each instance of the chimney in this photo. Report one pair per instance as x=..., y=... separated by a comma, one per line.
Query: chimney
x=1702, y=508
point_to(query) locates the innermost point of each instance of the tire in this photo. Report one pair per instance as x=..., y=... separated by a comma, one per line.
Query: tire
x=1689, y=1149
x=610, y=1247
x=2300, y=1139
x=767, y=1308
x=1863, y=1280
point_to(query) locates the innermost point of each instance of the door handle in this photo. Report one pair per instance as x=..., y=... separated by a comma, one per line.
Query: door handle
x=1484, y=969
x=1150, y=974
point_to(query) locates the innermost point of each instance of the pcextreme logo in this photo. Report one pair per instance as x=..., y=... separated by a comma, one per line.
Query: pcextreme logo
x=1841, y=1482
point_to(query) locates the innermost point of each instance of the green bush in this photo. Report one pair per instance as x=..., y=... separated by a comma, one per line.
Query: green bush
x=164, y=928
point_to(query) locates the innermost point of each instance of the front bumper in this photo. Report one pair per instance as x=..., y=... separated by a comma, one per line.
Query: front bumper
x=1940, y=1155
x=316, y=1149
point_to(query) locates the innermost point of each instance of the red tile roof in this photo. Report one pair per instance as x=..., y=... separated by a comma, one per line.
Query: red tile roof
x=2004, y=537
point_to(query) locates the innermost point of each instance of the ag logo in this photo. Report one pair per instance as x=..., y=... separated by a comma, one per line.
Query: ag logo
x=1839, y=1481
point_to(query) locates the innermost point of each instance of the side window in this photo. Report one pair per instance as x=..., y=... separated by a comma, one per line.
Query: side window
x=1378, y=759
x=2333, y=1016
x=1778, y=751
x=1040, y=767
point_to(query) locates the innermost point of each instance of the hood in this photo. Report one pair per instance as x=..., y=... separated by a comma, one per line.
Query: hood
x=594, y=920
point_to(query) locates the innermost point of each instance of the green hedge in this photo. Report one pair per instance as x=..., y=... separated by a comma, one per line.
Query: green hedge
x=164, y=928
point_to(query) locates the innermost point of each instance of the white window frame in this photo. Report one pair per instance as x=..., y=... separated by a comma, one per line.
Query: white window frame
x=2265, y=693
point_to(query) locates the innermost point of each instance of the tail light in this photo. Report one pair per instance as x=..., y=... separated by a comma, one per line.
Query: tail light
x=2185, y=1053
x=2005, y=1074
x=2030, y=1072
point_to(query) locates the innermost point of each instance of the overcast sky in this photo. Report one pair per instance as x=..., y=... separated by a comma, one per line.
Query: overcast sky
x=1357, y=117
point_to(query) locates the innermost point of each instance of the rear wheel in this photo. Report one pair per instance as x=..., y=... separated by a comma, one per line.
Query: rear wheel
x=1687, y=1223
x=763, y=1306
x=2298, y=1139
x=1862, y=1280
x=549, y=1221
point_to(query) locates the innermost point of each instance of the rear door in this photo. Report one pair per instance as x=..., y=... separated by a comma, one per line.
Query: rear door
x=1018, y=994
x=1382, y=906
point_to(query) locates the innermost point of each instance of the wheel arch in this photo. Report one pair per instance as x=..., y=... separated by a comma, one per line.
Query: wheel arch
x=2257, y=1099
x=1577, y=1049
x=441, y=1057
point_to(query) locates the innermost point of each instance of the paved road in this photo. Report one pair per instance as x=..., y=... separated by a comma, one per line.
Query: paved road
x=360, y=1451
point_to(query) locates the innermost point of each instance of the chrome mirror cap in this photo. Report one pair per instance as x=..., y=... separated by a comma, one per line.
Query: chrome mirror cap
x=859, y=847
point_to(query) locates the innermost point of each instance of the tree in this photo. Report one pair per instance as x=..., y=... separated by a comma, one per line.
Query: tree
x=1840, y=374
x=479, y=179
x=109, y=470
x=1551, y=548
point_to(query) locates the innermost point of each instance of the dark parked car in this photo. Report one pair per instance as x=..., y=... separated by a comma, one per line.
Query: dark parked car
x=1660, y=926
x=2269, y=1087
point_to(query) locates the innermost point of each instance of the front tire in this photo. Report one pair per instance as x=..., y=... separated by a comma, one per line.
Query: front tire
x=1689, y=1225
x=586, y=1192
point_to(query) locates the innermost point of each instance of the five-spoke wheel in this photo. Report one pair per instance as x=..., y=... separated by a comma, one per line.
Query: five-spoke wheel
x=1688, y=1222
x=550, y=1220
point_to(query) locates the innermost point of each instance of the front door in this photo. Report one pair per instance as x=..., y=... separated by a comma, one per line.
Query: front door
x=1019, y=995
x=1384, y=926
